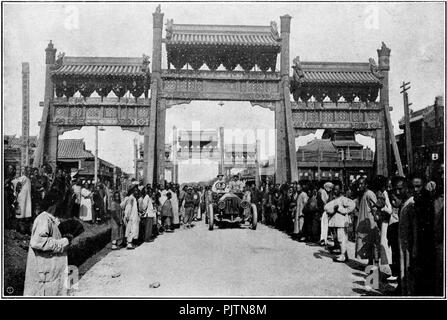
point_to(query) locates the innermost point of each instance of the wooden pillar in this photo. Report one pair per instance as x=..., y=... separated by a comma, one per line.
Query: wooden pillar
x=285, y=115
x=42, y=150
x=161, y=143
x=51, y=145
x=150, y=133
x=280, y=130
x=51, y=132
x=25, y=115
x=382, y=134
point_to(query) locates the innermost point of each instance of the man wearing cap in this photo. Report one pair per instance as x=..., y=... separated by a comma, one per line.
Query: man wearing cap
x=338, y=211
x=236, y=186
x=219, y=186
x=323, y=197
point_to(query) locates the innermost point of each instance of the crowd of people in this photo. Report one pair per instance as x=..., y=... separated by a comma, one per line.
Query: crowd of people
x=145, y=211
x=393, y=221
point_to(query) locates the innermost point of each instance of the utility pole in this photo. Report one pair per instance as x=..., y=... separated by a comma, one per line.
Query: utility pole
x=257, y=162
x=409, y=146
x=135, y=148
x=222, y=150
x=319, y=155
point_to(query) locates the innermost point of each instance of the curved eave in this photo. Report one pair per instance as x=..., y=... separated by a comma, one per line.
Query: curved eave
x=99, y=71
x=269, y=45
x=308, y=83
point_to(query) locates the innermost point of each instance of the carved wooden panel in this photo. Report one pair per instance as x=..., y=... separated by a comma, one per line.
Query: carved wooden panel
x=355, y=115
x=92, y=111
x=220, y=85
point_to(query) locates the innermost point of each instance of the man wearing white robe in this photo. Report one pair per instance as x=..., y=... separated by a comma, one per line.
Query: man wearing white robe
x=85, y=211
x=24, y=196
x=324, y=195
x=338, y=211
x=175, y=207
x=47, y=262
x=132, y=218
x=299, y=216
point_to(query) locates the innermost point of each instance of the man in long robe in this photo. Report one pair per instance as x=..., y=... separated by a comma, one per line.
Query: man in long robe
x=166, y=213
x=23, y=196
x=47, y=263
x=407, y=234
x=367, y=230
x=175, y=207
x=338, y=211
x=132, y=218
x=299, y=218
x=323, y=197
x=86, y=210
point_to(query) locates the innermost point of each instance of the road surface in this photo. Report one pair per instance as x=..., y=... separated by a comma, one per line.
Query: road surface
x=223, y=262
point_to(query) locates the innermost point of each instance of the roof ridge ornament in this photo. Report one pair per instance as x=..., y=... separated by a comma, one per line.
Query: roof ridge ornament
x=169, y=26
x=59, y=61
x=274, y=29
x=145, y=63
x=375, y=70
x=384, y=50
x=298, y=72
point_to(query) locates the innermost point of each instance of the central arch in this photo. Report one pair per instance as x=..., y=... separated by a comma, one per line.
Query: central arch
x=252, y=48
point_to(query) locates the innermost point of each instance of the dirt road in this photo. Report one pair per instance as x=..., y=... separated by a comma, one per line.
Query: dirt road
x=223, y=262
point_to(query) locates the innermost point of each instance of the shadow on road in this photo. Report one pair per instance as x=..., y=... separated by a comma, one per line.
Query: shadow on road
x=89, y=263
x=321, y=253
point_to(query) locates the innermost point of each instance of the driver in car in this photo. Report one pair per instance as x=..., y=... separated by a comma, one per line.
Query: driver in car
x=236, y=186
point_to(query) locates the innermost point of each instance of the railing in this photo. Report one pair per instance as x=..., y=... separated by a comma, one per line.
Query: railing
x=341, y=155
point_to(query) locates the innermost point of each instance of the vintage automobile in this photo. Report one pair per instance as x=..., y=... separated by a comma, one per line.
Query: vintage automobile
x=231, y=208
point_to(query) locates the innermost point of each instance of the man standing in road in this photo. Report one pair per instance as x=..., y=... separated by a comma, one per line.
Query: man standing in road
x=323, y=196
x=338, y=211
x=368, y=233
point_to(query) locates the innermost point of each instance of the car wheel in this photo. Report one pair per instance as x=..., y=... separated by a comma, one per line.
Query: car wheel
x=211, y=218
x=254, y=218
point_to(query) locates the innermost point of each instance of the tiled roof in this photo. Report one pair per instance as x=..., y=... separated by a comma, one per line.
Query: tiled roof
x=417, y=115
x=338, y=73
x=347, y=143
x=193, y=34
x=73, y=149
x=98, y=66
x=11, y=141
x=322, y=145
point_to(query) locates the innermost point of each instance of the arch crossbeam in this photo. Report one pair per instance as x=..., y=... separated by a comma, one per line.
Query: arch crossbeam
x=220, y=85
x=342, y=115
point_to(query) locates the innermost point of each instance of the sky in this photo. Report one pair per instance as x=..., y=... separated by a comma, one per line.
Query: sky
x=338, y=32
